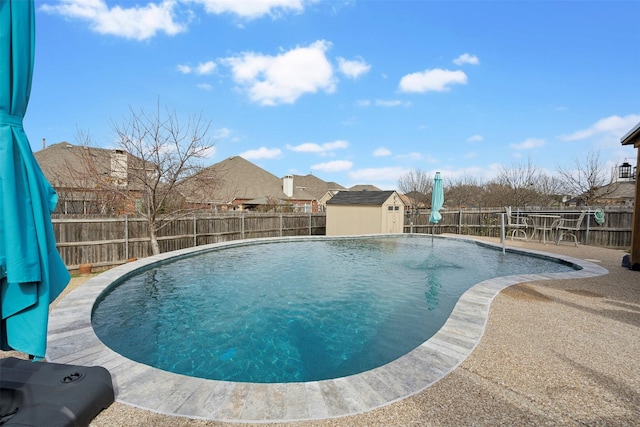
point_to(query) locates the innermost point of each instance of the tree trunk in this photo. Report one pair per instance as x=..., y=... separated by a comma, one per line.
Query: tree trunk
x=153, y=236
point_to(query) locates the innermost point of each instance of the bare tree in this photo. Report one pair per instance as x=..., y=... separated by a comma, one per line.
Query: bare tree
x=169, y=152
x=155, y=153
x=495, y=194
x=588, y=179
x=464, y=191
x=548, y=190
x=520, y=180
x=416, y=185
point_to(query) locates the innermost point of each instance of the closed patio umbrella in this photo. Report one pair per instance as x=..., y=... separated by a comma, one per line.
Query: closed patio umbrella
x=32, y=273
x=437, y=201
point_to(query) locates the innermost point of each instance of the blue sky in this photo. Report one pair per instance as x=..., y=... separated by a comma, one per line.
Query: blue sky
x=356, y=92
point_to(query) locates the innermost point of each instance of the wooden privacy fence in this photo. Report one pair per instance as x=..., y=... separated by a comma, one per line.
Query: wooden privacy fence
x=105, y=242
x=615, y=232
x=109, y=241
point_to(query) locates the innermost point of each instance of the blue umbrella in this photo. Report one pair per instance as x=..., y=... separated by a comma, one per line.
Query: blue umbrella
x=32, y=273
x=437, y=201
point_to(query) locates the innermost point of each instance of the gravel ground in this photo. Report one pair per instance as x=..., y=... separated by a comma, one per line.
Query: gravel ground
x=562, y=352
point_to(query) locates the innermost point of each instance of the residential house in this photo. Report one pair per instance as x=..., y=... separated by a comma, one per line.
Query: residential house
x=365, y=212
x=322, y=202
x=91, y=180
x=616, y=194
x=633, y=138
x=238, y=184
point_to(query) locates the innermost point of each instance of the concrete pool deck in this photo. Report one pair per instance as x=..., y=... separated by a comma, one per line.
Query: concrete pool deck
x=553, y=352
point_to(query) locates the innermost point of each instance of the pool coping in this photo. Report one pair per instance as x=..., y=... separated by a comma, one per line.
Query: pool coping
x=71, y=340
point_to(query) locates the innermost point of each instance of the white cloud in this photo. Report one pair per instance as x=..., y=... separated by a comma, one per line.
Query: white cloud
x=528, y=144
x=353, y=69
x=391, y=103
x=381, y=152
x=383, y=103
x=253, y=9
x=333, y=166
x=206, y=68
x=466, y=58
x=209, y=152
x=483, y=173
x=201, y=69
x=437, y=80
x=475, y=138
x=168, y=16
x=222, y=133
x=612, y=125
x=311, y=147
x=261, y=153
x=204, y=86
x=137, y=22
x=282, y=79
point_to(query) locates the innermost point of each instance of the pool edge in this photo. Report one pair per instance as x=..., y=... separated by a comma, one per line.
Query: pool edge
x=71, y=340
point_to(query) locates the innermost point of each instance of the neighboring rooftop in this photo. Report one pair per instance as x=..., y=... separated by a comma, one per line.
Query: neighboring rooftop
x=364, y=187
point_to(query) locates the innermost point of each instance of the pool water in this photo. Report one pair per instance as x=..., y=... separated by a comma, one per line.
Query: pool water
x=298, y=310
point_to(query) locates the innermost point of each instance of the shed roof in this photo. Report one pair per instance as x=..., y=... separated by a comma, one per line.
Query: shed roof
x=372, y=198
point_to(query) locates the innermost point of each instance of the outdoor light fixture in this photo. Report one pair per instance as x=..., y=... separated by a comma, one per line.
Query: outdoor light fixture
x=624, y=171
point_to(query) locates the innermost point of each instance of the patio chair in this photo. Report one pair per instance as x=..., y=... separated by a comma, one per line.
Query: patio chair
x=569, y=227
x=517, y=224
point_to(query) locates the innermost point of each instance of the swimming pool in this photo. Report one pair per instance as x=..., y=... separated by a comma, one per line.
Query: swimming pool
x=71, y=339
x=297, y=311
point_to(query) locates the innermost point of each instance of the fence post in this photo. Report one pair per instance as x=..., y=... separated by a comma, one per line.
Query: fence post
x=586, y=238
x=242, y=226
x=309, y=223
x=502, y=239
x=459, y=220
x=195, y=231
x=126, y=237
x=280, y=224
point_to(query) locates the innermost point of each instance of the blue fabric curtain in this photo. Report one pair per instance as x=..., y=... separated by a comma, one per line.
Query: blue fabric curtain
x=32, y=273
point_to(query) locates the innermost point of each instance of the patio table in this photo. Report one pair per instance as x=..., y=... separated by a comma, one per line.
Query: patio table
x=541, y=224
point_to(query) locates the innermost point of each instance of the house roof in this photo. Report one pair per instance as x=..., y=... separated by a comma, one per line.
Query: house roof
x=618, y=190
x=364, y=188
x=372, y=198
x=238, y=179
x=62, y=164
x=632, y=137
x=314, y=185
x=81, y=167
